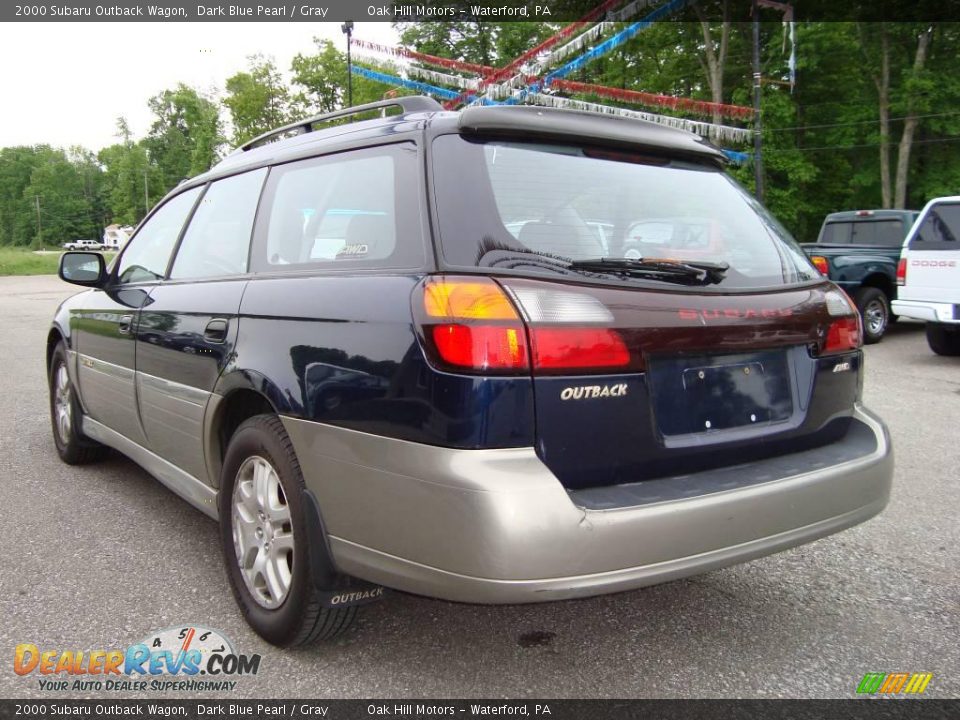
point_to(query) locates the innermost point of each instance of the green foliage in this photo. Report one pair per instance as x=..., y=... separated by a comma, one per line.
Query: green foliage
x=486, y=43
x=48, y=194
x=16, y=168
x=132, y=184
x=20, y=261
x=258, y=100
x=821, y=139
x=322, y=79
x=186, y=135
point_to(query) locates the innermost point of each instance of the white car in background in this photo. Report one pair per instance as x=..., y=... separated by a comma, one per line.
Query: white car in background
x=929, y=274
x=83, y=245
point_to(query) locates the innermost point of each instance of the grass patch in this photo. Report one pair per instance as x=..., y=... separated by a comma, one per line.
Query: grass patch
x=22, y=261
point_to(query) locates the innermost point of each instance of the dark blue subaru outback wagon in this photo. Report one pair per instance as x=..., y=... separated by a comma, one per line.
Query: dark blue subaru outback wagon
x=504, y=355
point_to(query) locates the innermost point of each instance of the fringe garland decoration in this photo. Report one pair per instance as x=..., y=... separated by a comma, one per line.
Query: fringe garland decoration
x=723, y=133
x=430, y=76
x=718, y=132
x=740, y=158
x=403, y=82
x=581, y=41
x=565, y=32
x=422, y=57
x=617, y=40
x=700, y=107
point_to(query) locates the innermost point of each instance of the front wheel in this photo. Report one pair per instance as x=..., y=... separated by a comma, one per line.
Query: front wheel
x=265, y=541
x=943, y=339
x=875, y=311
x=73, y=447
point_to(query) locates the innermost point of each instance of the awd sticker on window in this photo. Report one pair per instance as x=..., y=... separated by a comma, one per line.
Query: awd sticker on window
x=353, y=251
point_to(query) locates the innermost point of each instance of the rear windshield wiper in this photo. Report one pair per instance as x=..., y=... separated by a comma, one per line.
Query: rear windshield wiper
x=686, y=272
x=495, y=254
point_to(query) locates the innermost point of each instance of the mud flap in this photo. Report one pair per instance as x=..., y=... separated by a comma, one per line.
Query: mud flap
x=336, y=589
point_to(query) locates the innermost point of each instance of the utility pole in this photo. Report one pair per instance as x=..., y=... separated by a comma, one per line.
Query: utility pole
x=39, y=227
x=146, y=195
x=347, y=29
x=757, y=125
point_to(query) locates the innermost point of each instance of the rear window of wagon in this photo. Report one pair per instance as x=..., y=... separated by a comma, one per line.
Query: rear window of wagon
x=498, y=201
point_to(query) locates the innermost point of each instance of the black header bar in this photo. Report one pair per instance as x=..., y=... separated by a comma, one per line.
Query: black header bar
x=440, y=10
x=249, y=709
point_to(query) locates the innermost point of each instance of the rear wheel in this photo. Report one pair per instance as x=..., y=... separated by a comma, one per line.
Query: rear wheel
x=73, y=447
x=875, y=311
x=265, y=541
x=943, y=339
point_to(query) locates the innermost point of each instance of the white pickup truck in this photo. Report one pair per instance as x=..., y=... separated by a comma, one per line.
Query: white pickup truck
x=929, y=274
x=83, y=245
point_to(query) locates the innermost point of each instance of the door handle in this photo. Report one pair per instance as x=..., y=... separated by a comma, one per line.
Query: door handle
x=125, y=322
x=216, y=331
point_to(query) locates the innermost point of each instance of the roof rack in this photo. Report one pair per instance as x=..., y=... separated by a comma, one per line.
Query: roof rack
x=414, y=103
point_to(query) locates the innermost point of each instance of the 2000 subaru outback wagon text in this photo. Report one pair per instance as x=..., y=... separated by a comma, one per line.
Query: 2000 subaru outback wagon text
x=504, y=355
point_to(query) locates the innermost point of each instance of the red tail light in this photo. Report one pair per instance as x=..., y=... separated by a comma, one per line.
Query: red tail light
x=821, y=264
x=481, y=347
x=577, y=349
x=842, y=336
x=844, y=332
x=902, y=272
x=470, y=324
x=473, y=325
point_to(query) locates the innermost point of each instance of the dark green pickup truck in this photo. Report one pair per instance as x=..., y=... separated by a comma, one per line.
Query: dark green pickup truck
x=859, y=250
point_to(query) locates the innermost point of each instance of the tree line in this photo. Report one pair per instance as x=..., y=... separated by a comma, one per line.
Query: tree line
x=872, y=119
x=50, y=195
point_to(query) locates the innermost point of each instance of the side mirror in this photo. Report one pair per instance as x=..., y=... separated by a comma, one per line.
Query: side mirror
x=83, y=268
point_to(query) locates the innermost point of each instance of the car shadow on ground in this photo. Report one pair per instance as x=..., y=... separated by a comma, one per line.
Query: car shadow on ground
x=767, y=613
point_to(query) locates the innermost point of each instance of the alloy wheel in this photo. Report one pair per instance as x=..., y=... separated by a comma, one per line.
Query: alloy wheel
x=262, y=532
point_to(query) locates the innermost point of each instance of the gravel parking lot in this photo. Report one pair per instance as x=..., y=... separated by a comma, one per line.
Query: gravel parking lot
x=97, y=557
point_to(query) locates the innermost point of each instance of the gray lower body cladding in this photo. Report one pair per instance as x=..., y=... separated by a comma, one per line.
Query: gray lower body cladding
x=496, y=526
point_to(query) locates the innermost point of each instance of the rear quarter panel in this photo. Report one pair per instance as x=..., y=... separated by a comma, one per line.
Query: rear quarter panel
x=342, y=350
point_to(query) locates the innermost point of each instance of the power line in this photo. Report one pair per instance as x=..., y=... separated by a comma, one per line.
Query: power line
x=860, y=122
x=871, y=145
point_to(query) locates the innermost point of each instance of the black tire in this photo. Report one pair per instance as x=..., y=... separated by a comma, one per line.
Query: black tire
x=943, y=339
x=73, y=447
x=301, y=617
x=874, y=312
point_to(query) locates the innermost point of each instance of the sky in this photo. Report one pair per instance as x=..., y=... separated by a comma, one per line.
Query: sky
x=65, y=84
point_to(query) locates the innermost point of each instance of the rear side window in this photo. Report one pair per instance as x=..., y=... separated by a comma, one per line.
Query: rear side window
x=885, y=233
x=217, y=241
x=940, y=229
x=148, y=252
x=357, y=209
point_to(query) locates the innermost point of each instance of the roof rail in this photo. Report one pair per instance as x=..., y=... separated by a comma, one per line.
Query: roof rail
x=414, y=103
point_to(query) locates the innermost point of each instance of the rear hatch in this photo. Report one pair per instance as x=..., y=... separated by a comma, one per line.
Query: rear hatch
x=668, y=324
x=931, y=262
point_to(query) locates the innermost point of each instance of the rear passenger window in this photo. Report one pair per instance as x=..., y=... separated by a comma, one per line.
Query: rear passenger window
x=217, y=241
x=350, y=210
x=940, y=229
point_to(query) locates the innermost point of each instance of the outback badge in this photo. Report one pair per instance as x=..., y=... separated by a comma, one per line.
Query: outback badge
x=585, y=392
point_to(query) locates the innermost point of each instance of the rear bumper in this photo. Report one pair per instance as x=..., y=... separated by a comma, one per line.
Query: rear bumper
x=495, y=526
x=921, y=310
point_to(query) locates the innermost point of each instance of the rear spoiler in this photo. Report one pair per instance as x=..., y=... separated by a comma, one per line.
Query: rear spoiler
x=555, y=124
